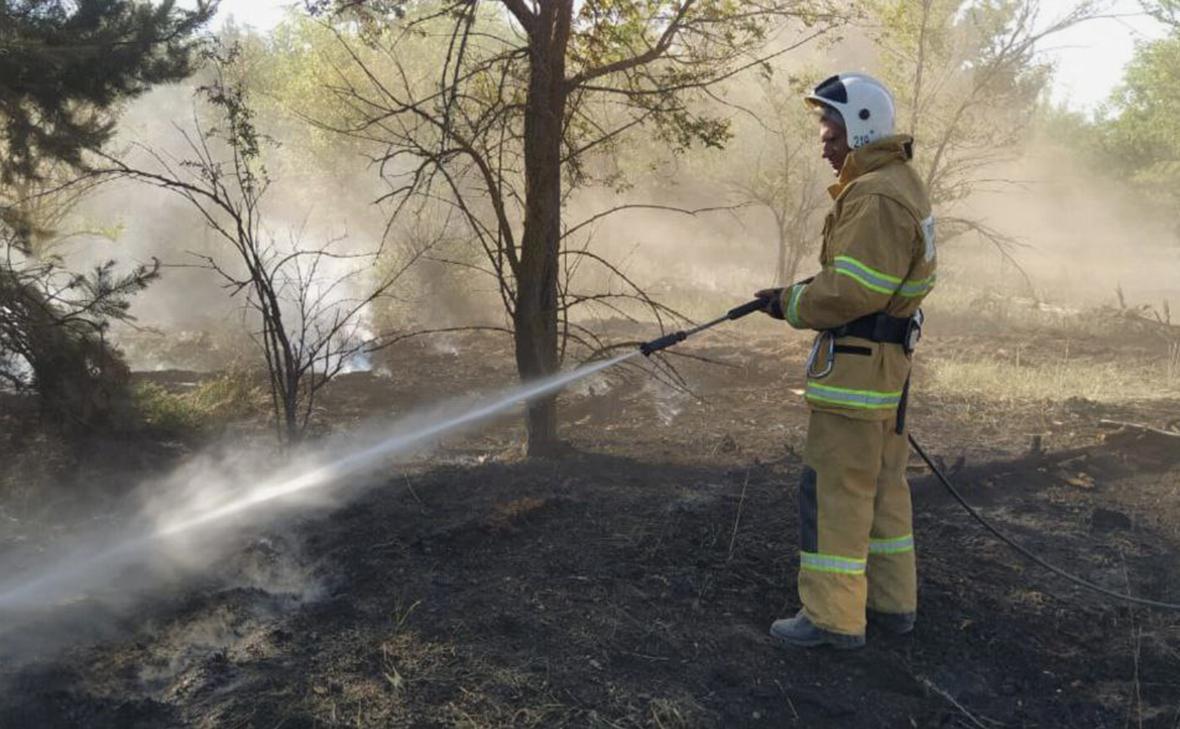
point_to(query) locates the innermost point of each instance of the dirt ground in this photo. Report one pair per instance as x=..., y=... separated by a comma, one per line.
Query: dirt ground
x=631, y=582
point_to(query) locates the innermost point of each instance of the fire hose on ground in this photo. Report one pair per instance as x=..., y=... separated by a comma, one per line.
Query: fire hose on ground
x=738, y=312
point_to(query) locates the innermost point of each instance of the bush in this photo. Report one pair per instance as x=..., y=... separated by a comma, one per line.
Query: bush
x=208, y=407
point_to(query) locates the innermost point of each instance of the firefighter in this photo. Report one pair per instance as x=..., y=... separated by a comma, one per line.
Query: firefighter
x=878, y=257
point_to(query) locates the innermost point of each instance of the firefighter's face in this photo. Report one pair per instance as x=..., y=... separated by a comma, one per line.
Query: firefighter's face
x=835, y=142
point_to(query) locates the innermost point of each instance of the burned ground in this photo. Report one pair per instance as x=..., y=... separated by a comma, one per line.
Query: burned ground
x=631, y=582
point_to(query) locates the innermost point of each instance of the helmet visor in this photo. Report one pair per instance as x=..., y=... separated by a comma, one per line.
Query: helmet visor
x=832, y=89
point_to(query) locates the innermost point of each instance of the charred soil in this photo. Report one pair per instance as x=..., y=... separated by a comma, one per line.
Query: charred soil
x=631, y=582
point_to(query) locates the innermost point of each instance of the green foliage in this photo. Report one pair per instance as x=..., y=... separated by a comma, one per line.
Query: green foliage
x=1135, y=137
x=52, y=323
x=227, y=96
x=630, y=65
x=1165, y=11
x=367, y=11
x=1141, y=137
x=1073, y=130
x=966, y=79
x=292, y=74
x=668, y=89
x=65, y=63
x=208, y=407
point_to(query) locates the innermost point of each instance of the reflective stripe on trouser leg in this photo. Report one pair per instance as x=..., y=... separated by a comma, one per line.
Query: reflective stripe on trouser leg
x=836, y=514
x=892, y=569
x=810, y=558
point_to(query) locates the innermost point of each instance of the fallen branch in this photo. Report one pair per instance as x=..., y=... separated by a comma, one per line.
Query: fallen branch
x=386, y=340
x=738, y=519
x=1137, y=426
x=962, y=709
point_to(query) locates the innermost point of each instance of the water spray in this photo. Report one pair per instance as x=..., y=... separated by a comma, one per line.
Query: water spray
x=87, y=568
x=95, y=565
x=82, y=571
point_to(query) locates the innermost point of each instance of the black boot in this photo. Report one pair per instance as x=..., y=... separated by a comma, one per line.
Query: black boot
x=895, y=623
x=801, y=632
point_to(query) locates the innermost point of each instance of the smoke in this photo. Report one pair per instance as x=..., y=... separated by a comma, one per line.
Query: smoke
x=1082, y=236
x=310, y=204
x=1078, y=235
x=220, y=516
x=214, y=506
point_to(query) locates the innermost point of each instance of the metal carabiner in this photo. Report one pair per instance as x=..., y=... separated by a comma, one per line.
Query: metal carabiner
x=913, y=332
x=829, y=356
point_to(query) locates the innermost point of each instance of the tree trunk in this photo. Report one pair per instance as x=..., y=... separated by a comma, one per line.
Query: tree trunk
x=780, y=265
x=294, y=434
x=536, y=291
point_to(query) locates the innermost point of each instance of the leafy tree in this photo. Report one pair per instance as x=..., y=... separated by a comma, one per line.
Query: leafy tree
x=284, y=71
x=1135, y=137
x=967, y=78
x=1141, y=138
x=524, y=98
x=65, y=65
x=1165, y=11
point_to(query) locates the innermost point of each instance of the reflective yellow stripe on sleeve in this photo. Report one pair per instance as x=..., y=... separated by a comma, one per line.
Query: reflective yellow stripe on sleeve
x=913, y=289
x=792, y=312
x=880, y=282
x=866, y=276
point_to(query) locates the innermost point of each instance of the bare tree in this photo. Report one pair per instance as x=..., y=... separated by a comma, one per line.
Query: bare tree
x=529, y=95
x=309, y=302
x=967, y=79
x=785, y=178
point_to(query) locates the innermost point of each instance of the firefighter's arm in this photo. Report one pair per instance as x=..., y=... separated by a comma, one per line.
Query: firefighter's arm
x=872, y=245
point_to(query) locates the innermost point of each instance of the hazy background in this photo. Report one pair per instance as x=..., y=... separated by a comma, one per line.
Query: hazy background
x=1077, y=234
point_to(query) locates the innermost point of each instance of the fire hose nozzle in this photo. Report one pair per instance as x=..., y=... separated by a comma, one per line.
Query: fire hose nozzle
x=669, y=340
x=738, y=312
x=662, y=343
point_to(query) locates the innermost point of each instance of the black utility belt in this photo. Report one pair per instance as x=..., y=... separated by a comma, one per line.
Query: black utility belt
x=883, y=328
x=879, y=327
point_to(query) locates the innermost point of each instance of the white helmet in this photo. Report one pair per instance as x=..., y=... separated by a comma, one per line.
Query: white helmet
x=864, y=103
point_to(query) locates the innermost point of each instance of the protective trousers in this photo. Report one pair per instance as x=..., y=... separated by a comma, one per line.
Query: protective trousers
x=855, y=523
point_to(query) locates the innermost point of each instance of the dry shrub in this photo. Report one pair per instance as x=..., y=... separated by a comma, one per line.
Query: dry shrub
x=208, y=407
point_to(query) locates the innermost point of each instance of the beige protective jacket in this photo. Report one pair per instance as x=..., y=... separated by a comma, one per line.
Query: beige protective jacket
x=878, y=255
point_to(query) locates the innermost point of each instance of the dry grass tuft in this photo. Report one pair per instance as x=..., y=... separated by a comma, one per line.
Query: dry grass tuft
x=506, y=513
x=1010, y=380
